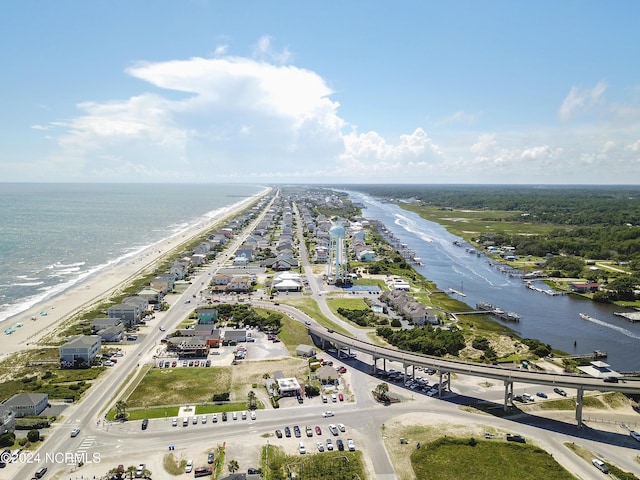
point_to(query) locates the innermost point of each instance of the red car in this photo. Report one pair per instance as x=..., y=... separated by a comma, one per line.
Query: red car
x=340, y=397
x=342, y=370
x=318, y=430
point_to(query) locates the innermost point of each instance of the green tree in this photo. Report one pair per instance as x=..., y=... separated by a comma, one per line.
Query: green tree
x=382, y=391
x=33, y=436
x=252, y=400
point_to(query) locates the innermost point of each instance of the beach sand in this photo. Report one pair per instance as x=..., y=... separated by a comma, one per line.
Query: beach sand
x=103, y=284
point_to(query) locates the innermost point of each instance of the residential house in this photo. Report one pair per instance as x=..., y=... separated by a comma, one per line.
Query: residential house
x=109, y=329
x=27, y=404
x=238, y=283
x=80, y=351
x=129, y=313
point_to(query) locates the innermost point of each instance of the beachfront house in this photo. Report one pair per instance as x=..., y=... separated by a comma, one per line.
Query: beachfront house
x=109, y=329
x=27, y=404
x=80, y=351
x=130, y=311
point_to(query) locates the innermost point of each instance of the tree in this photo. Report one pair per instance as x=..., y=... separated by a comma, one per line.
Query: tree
x=121, y=407
x=233, y=466
x=382, y=391
x=33, y=436
x=252, y=397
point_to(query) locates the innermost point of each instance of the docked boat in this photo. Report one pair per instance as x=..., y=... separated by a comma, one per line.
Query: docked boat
x=498, y=312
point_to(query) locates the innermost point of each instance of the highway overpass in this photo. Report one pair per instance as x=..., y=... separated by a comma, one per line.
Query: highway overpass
x=495, y=372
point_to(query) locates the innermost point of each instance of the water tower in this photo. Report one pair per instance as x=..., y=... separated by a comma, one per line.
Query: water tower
x=336, y=253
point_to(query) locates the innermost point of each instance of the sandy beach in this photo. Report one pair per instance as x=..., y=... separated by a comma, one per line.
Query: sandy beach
x=98, y=287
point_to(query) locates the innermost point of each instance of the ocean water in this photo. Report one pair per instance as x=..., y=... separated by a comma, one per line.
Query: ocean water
x=53, y=236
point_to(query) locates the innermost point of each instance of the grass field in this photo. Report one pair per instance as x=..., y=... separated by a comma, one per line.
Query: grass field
x=172, y=386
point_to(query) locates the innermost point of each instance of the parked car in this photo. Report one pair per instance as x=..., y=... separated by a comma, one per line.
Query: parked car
x=224, y=416
x=145, y=424
x=287, y=432
x=341, y=427
x=174, y=422
x=528, y=397
x=600, y=465
x=340, y=397
x=329, y=444
x=301, y=448
x=351, y=445
x=340, y=444
x=210, y=458
x=320, y=446
x=214, y=418
x=189, y=467
x=253, y=415
x=279, y=433
x=541, y=394
x=318, y=430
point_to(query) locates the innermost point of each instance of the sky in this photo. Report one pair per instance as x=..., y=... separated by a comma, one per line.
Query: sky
x=422, y=92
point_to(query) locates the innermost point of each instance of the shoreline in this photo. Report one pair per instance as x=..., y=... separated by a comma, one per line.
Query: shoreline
x=102, y=284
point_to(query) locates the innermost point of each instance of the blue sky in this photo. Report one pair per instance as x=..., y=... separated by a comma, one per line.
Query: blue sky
x=320, y=92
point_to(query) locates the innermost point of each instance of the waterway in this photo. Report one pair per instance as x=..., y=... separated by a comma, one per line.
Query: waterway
x=552, y=319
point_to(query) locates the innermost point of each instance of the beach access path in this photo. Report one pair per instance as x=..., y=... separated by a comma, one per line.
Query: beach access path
x=100, y=286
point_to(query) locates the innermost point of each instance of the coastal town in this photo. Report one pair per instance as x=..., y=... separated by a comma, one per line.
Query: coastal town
x=265, y=348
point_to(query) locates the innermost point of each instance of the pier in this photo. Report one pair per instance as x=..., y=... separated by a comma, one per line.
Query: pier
x=497, y=312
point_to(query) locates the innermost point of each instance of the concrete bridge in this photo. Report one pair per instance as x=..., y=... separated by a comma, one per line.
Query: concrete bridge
x=445, y=367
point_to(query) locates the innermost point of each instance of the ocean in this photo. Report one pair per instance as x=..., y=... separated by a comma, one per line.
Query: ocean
x=53, y=236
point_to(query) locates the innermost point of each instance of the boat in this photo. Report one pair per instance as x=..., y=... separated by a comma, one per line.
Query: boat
x=498, y=312
x=584, y=316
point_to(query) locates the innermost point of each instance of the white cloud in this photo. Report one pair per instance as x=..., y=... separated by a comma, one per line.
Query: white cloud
x=260, y=119
x=580, y=100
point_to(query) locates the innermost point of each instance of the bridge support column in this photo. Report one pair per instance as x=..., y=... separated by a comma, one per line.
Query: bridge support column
x=579, y=400
x=508, y=393
x=404, y=367
x=373, y=368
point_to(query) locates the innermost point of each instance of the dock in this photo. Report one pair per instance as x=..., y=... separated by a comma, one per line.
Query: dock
x=631, y=316
x=498, y=312
x=595, y=355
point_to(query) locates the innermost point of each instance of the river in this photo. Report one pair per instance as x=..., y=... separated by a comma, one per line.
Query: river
x=552, y=319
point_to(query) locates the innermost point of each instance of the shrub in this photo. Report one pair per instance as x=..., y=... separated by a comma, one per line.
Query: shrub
x=7, y=439
x=33, y=436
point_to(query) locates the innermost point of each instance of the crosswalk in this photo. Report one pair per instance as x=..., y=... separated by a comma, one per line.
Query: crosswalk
x=86, y=444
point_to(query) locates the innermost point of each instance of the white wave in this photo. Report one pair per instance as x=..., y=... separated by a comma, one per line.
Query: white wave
x=27, y=284
x=410, y=226
x=65, y=271
x=27, y=278
x=68, y=265
x=623, y=331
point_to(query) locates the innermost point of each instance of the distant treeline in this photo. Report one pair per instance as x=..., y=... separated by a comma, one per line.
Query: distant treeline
x=558, y=205
x=594, y=222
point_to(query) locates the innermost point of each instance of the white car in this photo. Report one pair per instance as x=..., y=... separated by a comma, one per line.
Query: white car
x=320, y=446
x=329, y=444
x=244, y=415
x=234, y=415
x=301, y=448
x=635, y=435
x=328, y=413
x=189, y=467
x=600, y=465
x=214, y=418
x=174, y=422
x=204, y=419
x=75, y=432
x=341, y=427
x=253, y=415
x=351, y=445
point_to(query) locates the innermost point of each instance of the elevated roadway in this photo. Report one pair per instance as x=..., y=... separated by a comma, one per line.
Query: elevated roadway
x=507, y=376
